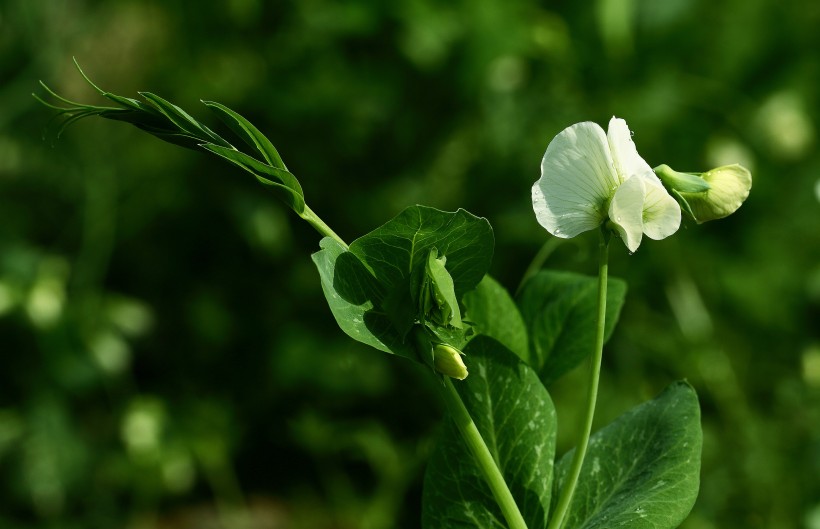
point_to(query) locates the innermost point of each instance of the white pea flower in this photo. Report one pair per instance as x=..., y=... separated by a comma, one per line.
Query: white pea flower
x=589, y=177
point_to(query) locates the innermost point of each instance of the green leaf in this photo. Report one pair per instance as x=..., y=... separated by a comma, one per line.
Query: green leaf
x=396, y=253
x=349, y=289
x=176, y=138
x=290, y=191
x=182, y=119
x=516, y=418
x=373, y=288
x=157, y=116
x=127, y=102
x=248, y=132
x=642, y=471
x=493, y=313
x=559, y=310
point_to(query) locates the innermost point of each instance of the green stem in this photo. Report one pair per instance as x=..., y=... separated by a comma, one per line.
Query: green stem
x=320, y=226
x=560, y=512
x=483, y=457
x=461, y=416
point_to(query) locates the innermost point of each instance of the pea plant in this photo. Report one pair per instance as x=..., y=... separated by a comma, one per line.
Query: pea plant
x=417, y=287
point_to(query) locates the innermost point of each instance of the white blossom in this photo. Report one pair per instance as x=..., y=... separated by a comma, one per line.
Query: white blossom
x=589, y=177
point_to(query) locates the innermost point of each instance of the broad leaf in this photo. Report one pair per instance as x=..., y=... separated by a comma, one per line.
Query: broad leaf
x=349, y=289
x=396, y=253
x=642, y=471
x=382, y=273
x=493, y=313
x=516, y=418
x=559, y=310
x=398, y=248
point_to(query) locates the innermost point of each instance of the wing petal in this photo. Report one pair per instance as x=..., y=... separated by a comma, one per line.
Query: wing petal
x=625, y=212
x=661, y=212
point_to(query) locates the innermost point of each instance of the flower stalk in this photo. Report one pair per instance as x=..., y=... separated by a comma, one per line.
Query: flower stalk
x=562, y=506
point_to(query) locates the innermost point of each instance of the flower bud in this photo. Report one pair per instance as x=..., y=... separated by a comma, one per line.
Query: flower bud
x=438, y=302
x=447, y=360
x=681, y=182
x=724, y=191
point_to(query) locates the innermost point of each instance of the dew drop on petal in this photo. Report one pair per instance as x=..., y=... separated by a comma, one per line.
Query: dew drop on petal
x=619, y=219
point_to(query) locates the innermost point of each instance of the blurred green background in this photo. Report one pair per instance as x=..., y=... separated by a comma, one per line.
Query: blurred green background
x=167, y=359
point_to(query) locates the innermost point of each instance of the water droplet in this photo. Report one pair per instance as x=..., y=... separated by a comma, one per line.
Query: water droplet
x=619, y=219
x=557, y=231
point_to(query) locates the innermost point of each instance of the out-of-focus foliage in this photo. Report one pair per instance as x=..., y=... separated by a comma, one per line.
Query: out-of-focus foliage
x=168, y=359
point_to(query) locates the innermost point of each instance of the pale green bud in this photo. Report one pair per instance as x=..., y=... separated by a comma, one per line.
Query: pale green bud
x=447, y=360
x=681, y=182
x=721, y=193
x=438, y=298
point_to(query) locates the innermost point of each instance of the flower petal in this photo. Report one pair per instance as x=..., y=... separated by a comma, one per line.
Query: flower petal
x=730, y=186
x=628, y=162
x=661, y=212
x=626, y=212
x=577, y=181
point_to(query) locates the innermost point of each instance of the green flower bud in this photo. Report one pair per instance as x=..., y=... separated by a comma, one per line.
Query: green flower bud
x=447, y=360
x=438, y=301
x=711, y=195
x=681, y=182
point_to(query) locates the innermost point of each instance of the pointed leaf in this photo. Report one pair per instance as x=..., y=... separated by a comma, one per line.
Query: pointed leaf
x=642, y=471
x=284, y=181
x=183, y=120
x=174, y=137
x=559, y=310
x=281, y=176
x=516, y=418
x=127, y=102
x=248, y=132
x=148, y=121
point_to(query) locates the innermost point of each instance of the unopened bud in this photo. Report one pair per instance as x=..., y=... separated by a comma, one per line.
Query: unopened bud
x=725, y=190
x=447, y=360
x=681, y=182
x=438, y=302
